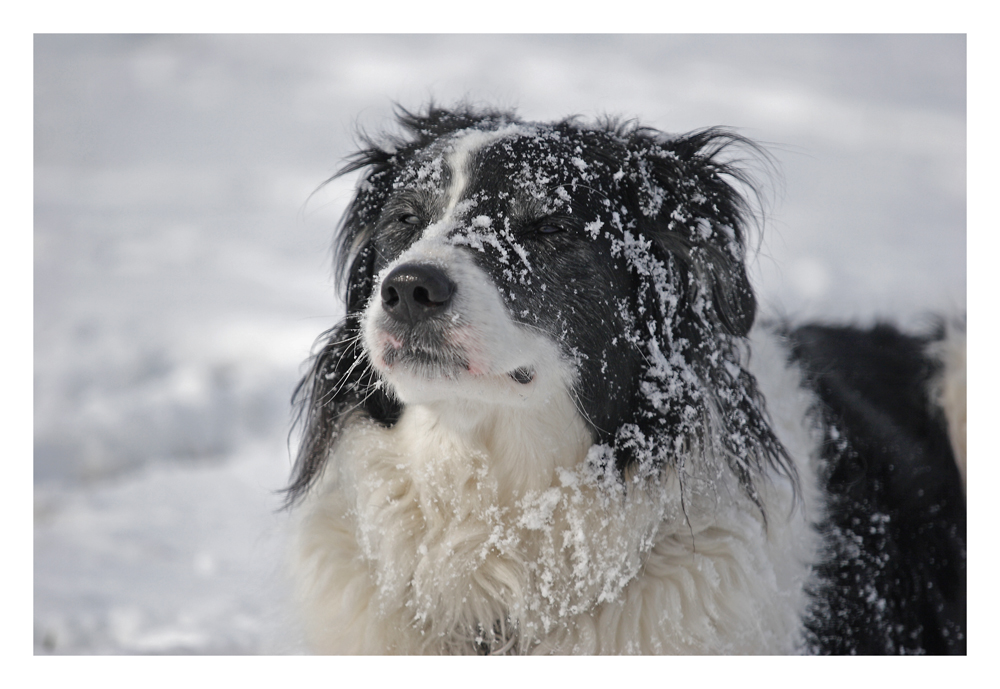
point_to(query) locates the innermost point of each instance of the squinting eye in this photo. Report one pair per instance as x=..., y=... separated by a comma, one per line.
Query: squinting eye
x=548, y=228
x=410, y=219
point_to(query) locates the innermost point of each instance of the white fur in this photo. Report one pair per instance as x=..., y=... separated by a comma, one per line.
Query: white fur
x=949, y=390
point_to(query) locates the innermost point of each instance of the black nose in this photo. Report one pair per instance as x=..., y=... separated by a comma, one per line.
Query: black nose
x=414, y=291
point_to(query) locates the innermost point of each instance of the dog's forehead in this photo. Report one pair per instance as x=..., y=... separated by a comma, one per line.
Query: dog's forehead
x=519, y=172
x=540, y=153
x=527, y=162
x=446, y=162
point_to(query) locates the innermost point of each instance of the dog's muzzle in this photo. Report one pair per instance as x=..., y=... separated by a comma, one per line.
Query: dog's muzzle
x=414, y=297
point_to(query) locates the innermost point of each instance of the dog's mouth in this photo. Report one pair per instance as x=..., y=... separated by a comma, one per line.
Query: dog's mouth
x=428, y=362
x=438, y=363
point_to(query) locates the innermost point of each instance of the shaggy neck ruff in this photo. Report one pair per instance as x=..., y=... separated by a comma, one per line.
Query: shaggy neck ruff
x=516, y=449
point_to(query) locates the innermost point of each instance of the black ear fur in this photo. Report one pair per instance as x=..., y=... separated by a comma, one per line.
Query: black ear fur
x=734, y=301
x=695, y=214
x=706, y=215
x=340, y=383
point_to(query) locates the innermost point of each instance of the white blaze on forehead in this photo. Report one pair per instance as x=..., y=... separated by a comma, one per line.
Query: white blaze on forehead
x=459, y=159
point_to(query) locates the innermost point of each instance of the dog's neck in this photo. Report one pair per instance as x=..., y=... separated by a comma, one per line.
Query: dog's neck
x=520, y=448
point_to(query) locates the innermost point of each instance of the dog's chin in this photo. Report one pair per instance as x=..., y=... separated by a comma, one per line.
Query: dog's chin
x=424, y=363
x=423, y=377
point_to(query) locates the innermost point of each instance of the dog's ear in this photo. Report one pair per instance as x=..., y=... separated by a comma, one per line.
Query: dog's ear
x=689, y=193
x=700, y=215
x=732, y=295
x=341, y=381
x=323, y=399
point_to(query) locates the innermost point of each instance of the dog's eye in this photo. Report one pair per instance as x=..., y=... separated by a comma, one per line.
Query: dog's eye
x=410, y=219
x=548, y=228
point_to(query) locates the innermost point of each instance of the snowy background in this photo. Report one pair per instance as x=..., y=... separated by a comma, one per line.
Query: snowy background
x=181, y=270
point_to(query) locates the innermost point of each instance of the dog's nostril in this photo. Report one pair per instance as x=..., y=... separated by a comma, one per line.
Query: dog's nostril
x=414, y=291
x=422, y=296
x=390, y=296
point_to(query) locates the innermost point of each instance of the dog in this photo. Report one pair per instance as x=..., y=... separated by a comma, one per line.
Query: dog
x=549, y=423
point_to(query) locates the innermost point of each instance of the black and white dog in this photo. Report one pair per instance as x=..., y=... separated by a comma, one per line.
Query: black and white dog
x=548, y=423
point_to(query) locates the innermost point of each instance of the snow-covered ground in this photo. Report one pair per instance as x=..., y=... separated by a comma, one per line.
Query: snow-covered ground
x=182, y=270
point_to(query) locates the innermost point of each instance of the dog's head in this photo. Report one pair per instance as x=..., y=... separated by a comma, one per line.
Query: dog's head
x=498, y=261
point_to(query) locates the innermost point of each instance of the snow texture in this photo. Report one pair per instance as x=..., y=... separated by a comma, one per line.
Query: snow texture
x=182, y=268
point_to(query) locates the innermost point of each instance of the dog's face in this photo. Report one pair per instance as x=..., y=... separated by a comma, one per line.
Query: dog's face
x=501, y=262
x=501, y=274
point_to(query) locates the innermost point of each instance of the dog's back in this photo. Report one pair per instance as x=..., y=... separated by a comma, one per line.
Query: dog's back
x=893, y=571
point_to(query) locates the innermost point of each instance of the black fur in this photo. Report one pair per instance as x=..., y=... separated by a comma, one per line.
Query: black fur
x=894, y=573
